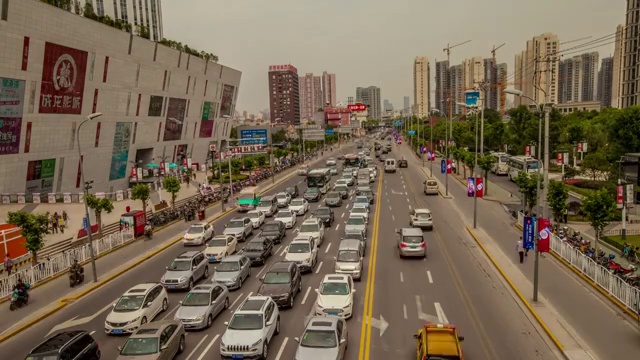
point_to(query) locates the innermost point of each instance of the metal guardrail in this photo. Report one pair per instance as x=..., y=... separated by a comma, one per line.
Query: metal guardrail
x=618, y=232
x=61, y=262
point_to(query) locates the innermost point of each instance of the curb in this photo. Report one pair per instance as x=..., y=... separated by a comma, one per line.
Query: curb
x=519, y=294
x=439, y=191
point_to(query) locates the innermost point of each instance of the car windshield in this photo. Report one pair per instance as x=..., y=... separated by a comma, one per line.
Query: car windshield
x=362, y=199
x=196, y=299
x=412, y=239
x=355, y=220
x=254, y=246
x=319, y=339
x=353, y=235
x=333, y=195
x=265, y=203
x=290, y=190
x=247, y=197
x=283, y=214
x=299, y=248
x=334, y=288
x=322, y=211
x=228, y=266
x=281, y=196
x=271, y=228
x=195, y=230
x=180, y=265
x=277, y=278
x=359, y=210
x=298, y=202
x=423, y=216
x=246, y=322
x=236, y=224
x=140, y=346
x=253, y=215
x=432, y=183
x=348, y=256
x=341, y=188
x=306, y=228
x=217, y=243
x=129, y=303
x=312, y=190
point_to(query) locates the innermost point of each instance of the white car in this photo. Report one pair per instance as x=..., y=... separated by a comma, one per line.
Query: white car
x=304, y=252
x=361, y=200
x=344, y=182
x=335, y=296
x=360, y=210
x=198, y=234
x=138, y=305
x=288, y=218
x=299, y=206
x=314, y=228
x=257, y=218
x=220, y=247
x=283, y=199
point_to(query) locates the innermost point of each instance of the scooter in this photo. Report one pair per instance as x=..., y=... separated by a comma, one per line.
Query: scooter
x=76, y=277
x=16, y=301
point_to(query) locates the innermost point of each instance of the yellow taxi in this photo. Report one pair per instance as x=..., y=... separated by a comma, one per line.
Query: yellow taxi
x=438, y=342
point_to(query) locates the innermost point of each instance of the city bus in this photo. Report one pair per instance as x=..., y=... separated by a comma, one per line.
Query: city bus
x=501, y=163
x=520, y=163
x=355, y=161
x=319, y=178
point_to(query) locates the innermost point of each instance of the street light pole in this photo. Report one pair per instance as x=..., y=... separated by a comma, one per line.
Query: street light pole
x=86, y=187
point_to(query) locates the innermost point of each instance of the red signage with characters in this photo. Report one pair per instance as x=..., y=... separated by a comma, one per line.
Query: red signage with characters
x=357, y=107
x=283, y=68
x=63, y=78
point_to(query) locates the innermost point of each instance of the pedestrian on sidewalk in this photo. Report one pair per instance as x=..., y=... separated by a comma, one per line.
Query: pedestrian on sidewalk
x=61, y=224
x=8, y=264
x=566, y=215
x=65, y=217
x=520, y=250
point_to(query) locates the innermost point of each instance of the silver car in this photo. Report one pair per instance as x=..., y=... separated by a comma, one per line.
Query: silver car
x=185, y=270
x=325, y=337
x=356, y=222
x=232, y=271
x=143, y=343
x=239, y=228
x=201, y=305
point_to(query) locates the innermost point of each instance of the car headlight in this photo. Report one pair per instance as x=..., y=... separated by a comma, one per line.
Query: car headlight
x=358, y=267
x=200, y=318
x=134, y=320
x=255, y=344
x=346, y=307
x=234, y=279
x=307, y=260
x=162, y=279
x=182, y=279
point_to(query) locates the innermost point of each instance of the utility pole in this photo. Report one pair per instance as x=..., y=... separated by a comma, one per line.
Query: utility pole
x=447, y=50
x=547, y=110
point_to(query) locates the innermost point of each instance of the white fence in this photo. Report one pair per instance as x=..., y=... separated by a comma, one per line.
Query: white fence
x=60, y=263
x=612, y=284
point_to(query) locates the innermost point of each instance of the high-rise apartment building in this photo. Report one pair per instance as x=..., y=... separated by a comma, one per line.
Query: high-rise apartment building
x=387, y=106
x=370, y=96
x=456, y=83
x=537, y=69
x=442, y=85
x=491, y=79
x=310, y=95
x=631, y=62
x=618, y=57
x=407, y=104
x=605, y=82
x=284, y=94
x=500, y=86
x=421, y=86
x=578, y=78
x=590, y=65
x=350, y=100
x=329, y=89
x=147, y=13
x=473, y=72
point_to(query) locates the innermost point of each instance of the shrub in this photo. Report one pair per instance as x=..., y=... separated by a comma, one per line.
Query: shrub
x=589, y=184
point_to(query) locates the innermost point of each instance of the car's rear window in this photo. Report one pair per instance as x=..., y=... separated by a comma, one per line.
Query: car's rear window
x=432, y=183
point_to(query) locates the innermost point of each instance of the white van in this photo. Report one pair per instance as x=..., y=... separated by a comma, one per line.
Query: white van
x=390, y=165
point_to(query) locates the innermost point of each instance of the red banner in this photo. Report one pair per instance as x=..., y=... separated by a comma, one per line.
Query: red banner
x=544, y=232
x=25, y=53
x=106, y=69
x=27, y=138
x=620, y=196
x=161, y=168
x=63, y=78
x=134, y=173
x=184, y=162
x=449, y=166
x=527, y=150
x=479, y=187
x=559, y=159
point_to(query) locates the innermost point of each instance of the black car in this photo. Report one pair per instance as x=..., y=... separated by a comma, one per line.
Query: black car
x=274, y=231
x=293, y=191
x=75, y=344
x=312, y=194
x=325, y=214
x=258, y=250
x=403, y=163
x=333, y=198
x=282, y=283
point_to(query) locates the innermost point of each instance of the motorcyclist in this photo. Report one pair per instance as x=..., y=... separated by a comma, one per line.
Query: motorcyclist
x=75, y=267
x=147, y=229
x=21, y=290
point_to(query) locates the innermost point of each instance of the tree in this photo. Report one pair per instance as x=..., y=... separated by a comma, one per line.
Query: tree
x=89, y=12
x=279, y=136
x=527, y=183
x=34, y=227
x=98, y=206
x=598, y=208
x=233, y=134
x=261, y=160
x=557, y=196
x=469, y=160
x=143, y=31
x=594, y=164
x=485, y=163
x=141, y=192
x=236, y=166
x=172, y=185
x=248, y=163
x=62, y=4
x=457, y=155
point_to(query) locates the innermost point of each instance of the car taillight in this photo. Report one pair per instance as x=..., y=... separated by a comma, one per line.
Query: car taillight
x=403, y=245
x=423, y=244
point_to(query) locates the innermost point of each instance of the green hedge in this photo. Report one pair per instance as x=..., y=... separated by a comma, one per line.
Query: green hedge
x=225, y=178
x=612, y=242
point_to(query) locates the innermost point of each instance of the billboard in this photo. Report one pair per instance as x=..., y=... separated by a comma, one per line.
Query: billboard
x=155, y=105
x=40, y=175
x=11, y=105
x=255, y=136
x=175, y=119
x=120, y=154
x=226, y=104
x=208, y=116
x=63, y=76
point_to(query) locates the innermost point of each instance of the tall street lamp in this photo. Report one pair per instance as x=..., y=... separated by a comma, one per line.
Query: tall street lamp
x=219, y=149
x=475, y=168
x=433, y=111
x=86, y=187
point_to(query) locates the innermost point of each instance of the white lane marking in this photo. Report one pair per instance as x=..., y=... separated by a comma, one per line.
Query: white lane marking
x=284, y=344
x=261, y=271
x=306, y=295
x=337, y=227
x=170, y=311
x=215, y=338
x=236, y=300
x=404, y=312
x=197, y=346
x=393, y=217
x=442, y=318
x=347, y=206
x=390, y=207
x=409, y=207
x=326, y=251
x=406, y=193
x=429, y=276
x=342, y=215
x=319, y=267
x=401, y=277
x=407, y=199
x=93, y=332
x=283, y=251
x=278, y=249
x=404, y=186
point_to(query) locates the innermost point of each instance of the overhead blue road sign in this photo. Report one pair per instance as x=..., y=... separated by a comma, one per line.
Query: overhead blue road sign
x=253, y=137
x=397, y=123
x=412, y=132
x=328, y=132
x=471, y=98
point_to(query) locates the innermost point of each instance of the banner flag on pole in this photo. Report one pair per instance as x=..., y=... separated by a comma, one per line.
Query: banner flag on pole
x=544, y=226
x=528, y=232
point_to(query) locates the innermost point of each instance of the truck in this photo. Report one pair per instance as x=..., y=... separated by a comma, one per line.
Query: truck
x=438, y=341
x=248, y=199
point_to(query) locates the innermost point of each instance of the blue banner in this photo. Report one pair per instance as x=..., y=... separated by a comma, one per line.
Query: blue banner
x=470, y=186
x=528, y=232
x=412, y=132
x=85, y=224
x=471, y=98
x=328, y=132
x=443, y=166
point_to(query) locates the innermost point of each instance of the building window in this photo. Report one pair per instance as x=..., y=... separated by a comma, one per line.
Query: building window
x=123, y=10
x=115, y=9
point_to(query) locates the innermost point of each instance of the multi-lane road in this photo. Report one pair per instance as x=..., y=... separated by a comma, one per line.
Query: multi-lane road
x=453, y=285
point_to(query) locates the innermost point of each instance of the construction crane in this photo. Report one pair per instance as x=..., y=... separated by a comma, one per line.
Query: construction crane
x=501, y=83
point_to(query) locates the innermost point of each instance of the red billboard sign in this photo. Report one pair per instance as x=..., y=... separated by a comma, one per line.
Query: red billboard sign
x=357, y=107
x=63, y=78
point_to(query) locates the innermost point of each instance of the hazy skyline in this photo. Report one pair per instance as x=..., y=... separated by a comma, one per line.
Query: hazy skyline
x=374, y=42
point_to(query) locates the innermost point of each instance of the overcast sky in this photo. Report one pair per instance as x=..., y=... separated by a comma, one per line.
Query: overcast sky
x=373, y=42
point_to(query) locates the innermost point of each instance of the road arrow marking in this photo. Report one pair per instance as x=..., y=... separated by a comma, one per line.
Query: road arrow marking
x=442, y=318
x=424, y=316
x=396, y=192
x=379, y=324
x=75, y=322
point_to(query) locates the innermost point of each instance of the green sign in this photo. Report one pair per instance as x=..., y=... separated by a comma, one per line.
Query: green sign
x=48, y=169
x=207, y=111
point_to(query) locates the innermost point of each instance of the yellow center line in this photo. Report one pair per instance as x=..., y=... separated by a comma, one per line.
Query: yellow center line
x=365, y=332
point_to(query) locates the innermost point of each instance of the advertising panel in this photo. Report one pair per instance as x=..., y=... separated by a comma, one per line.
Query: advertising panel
x=40, y=175
x=226, y=105
x=208, y=116
x=175, y=119
x=155, y=105
x=120, y=154
x=528, y=232
x=63, y=78
x=11, y=105
x=254, y=136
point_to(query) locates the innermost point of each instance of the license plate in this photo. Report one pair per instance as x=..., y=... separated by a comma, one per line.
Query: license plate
x=414, y=246
x=116, y=331
x=212, y=258
x=187, y=325
x=333, y=314
x=237, y=356
x=171, y=286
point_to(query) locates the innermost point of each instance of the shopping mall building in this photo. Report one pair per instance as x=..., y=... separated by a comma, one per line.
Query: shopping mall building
x=57, y=68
